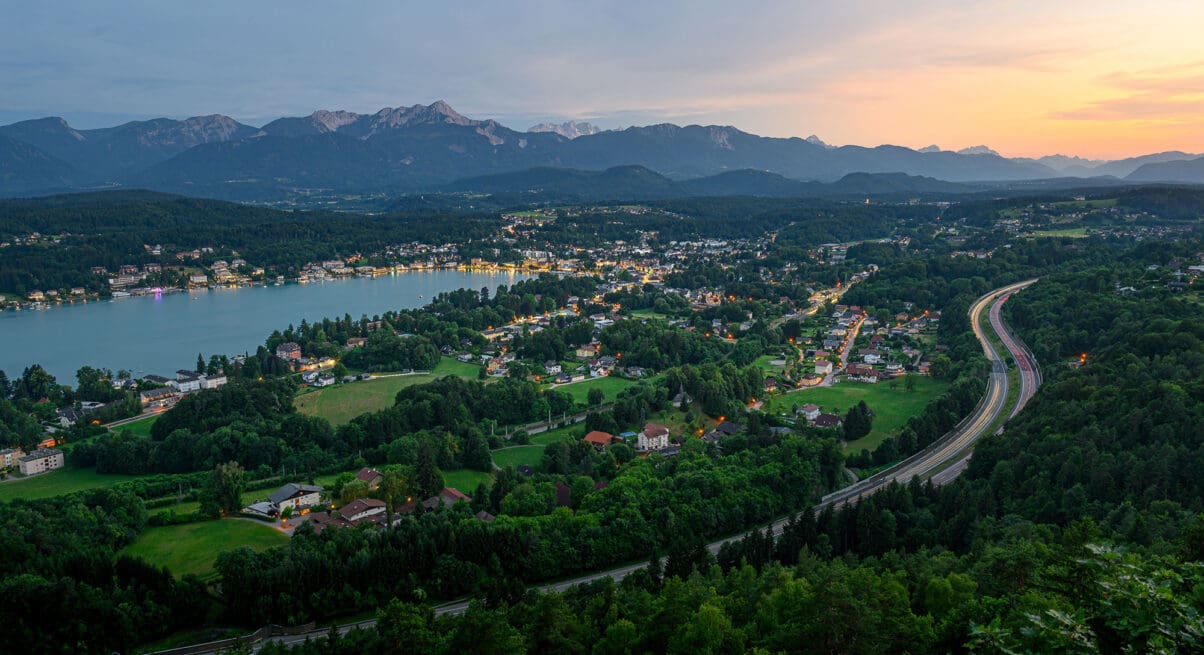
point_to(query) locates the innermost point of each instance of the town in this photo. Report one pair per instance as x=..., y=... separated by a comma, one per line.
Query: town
x=629, y=373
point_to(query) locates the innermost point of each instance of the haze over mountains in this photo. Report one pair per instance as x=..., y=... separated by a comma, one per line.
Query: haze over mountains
x=433, y=147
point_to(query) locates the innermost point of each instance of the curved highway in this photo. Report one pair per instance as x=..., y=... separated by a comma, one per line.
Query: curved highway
x=953, y=447
x=1030, y=374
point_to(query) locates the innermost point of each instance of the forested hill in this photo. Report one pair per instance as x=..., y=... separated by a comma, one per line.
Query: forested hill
x=153, y=215
x=111, y=229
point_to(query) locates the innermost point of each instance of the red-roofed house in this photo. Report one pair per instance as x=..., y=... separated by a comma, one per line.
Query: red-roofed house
x=370, y=477
x=446, y=498
x=599, y=439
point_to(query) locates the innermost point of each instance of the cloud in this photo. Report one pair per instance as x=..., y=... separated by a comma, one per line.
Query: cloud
x=1168, y=94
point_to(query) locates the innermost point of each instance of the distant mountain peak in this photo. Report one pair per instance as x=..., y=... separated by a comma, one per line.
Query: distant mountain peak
x=977, y=150
x=436, y=112
x=567, y=129
x=931, y=148
x=331, y=121
x=813, y=139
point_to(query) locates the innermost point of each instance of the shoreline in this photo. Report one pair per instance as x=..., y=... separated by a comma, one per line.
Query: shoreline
x=164, y=335
x=143, y=292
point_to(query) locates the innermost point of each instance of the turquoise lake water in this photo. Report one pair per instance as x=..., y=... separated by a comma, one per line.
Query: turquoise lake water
x=150, y=334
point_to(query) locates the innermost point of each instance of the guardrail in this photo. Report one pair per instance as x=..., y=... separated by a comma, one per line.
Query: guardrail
x=252, y=639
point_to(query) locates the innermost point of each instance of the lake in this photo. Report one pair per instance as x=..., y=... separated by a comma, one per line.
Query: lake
x=149, y=334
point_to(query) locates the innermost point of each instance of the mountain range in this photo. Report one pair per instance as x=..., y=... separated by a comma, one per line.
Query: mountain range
x=431, y=147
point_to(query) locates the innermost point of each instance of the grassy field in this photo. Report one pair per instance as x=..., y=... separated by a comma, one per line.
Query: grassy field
x=193, y=547
x=55, y=483
x=519, y=455
x=763, y=363
x=1087, y=204
x=1073, y=232
x=466, y=480
x=555, y=435
x=340, y=404
x=648, y=313
x=139, y=428
x=891, y=407
x=610, y=386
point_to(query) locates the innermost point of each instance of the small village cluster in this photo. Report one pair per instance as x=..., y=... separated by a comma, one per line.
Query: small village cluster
x=296, y=503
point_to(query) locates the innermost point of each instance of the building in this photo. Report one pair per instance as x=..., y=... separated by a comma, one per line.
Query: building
x=289, y=350
x=588, y=351
x=41, y=461
x=160, y=397
x=809, y=411
x=827, y=421
x=261, y=508
x=446, y=498
x=212, y=381
x=861, y=373
x=364, y=509
x=370, y=477
x=823, y=367
x=654, y=436
x=186, y=381
x=296, y=496
x=9, y=457
x=553, y=368
x=599, y=439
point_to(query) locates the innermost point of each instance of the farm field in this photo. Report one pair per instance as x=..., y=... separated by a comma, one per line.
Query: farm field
x=891, y=407
x=55, y=483
x=341, y=403
x=193, y=547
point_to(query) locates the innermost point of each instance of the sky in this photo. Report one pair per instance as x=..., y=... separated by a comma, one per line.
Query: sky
x=1099, y=79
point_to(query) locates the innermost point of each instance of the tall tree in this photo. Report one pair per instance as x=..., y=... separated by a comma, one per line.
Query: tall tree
x=427, y=478
x=229, y=481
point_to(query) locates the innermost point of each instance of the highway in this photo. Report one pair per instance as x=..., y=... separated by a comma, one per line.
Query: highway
x=1030, y=374
x=954, y=446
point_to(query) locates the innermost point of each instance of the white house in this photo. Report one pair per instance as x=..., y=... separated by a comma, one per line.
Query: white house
x=810, y=411
x=212, y=381
x=186, y=382
x=654, y=436
x=41, y=461
x=823, y=367
x=553, y=368
x=324, y=381
x=296, y=496
x=364, y=508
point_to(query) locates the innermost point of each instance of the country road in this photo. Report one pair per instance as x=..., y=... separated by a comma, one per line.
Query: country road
x=954, y=447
